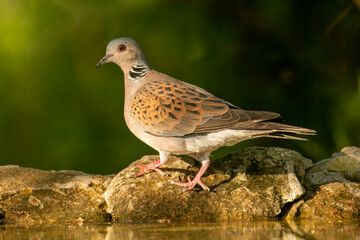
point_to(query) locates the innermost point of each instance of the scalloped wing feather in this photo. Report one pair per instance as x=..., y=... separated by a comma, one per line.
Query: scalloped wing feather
x=175, y=108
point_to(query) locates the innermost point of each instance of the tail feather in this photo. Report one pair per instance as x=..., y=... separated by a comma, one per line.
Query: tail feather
x=284, y=136
x=280, y=130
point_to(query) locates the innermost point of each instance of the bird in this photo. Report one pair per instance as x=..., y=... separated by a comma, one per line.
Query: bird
x=179, y=118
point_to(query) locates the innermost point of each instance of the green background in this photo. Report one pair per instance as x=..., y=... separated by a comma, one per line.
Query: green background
x=57, y=111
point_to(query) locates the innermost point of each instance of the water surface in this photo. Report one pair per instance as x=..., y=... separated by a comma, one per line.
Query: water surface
x=233, y=230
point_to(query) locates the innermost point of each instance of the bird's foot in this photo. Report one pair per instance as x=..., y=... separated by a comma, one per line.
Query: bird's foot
x=190, y=184
x=152, y=166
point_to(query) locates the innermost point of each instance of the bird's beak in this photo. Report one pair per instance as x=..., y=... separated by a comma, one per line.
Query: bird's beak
x=105, y=59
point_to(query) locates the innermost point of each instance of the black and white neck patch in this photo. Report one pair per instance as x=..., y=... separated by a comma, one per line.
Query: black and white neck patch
x=138, y=71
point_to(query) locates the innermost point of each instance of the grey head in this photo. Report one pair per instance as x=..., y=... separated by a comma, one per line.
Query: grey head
x=124, y=52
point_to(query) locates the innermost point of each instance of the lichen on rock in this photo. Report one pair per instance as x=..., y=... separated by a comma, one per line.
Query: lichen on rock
x=252, y=183
x=333, y=188
x=31, y=196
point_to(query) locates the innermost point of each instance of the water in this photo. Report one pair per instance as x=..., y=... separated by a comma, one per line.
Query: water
x=211, y=231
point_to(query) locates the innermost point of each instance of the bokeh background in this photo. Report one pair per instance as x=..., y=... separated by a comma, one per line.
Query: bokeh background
x=57, y=111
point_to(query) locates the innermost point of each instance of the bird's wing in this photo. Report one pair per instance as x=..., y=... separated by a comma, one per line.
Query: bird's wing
x=174, y=108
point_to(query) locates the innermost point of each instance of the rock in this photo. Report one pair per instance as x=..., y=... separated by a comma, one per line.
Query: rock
x=333, y=188
x=333, y=202
x=31, y=196
x=341, y=167
x=252, y=183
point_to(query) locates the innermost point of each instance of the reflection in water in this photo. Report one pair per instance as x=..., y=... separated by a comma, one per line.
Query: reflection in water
x=234, y=230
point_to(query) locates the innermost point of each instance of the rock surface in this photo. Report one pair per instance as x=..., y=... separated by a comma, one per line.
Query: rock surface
x=252, y=183
x=343, y=166
x=333, y=188
x=31, y=196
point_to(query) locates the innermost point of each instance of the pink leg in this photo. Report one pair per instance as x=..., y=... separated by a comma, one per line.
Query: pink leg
x=154, y=166
x=151, y=166
x=197, y=180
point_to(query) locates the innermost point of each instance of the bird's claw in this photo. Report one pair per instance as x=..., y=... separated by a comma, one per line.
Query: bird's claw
x=190, y=184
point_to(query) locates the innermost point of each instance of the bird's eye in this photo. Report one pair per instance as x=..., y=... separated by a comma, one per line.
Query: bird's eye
x=121, y=48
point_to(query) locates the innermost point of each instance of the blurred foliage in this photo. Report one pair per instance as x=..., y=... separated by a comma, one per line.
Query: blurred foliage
x=299, y=58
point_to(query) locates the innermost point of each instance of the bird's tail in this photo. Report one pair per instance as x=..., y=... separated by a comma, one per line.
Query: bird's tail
x=280, y=130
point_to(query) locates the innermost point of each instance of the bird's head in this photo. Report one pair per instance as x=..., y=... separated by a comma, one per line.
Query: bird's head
x=124, y=52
